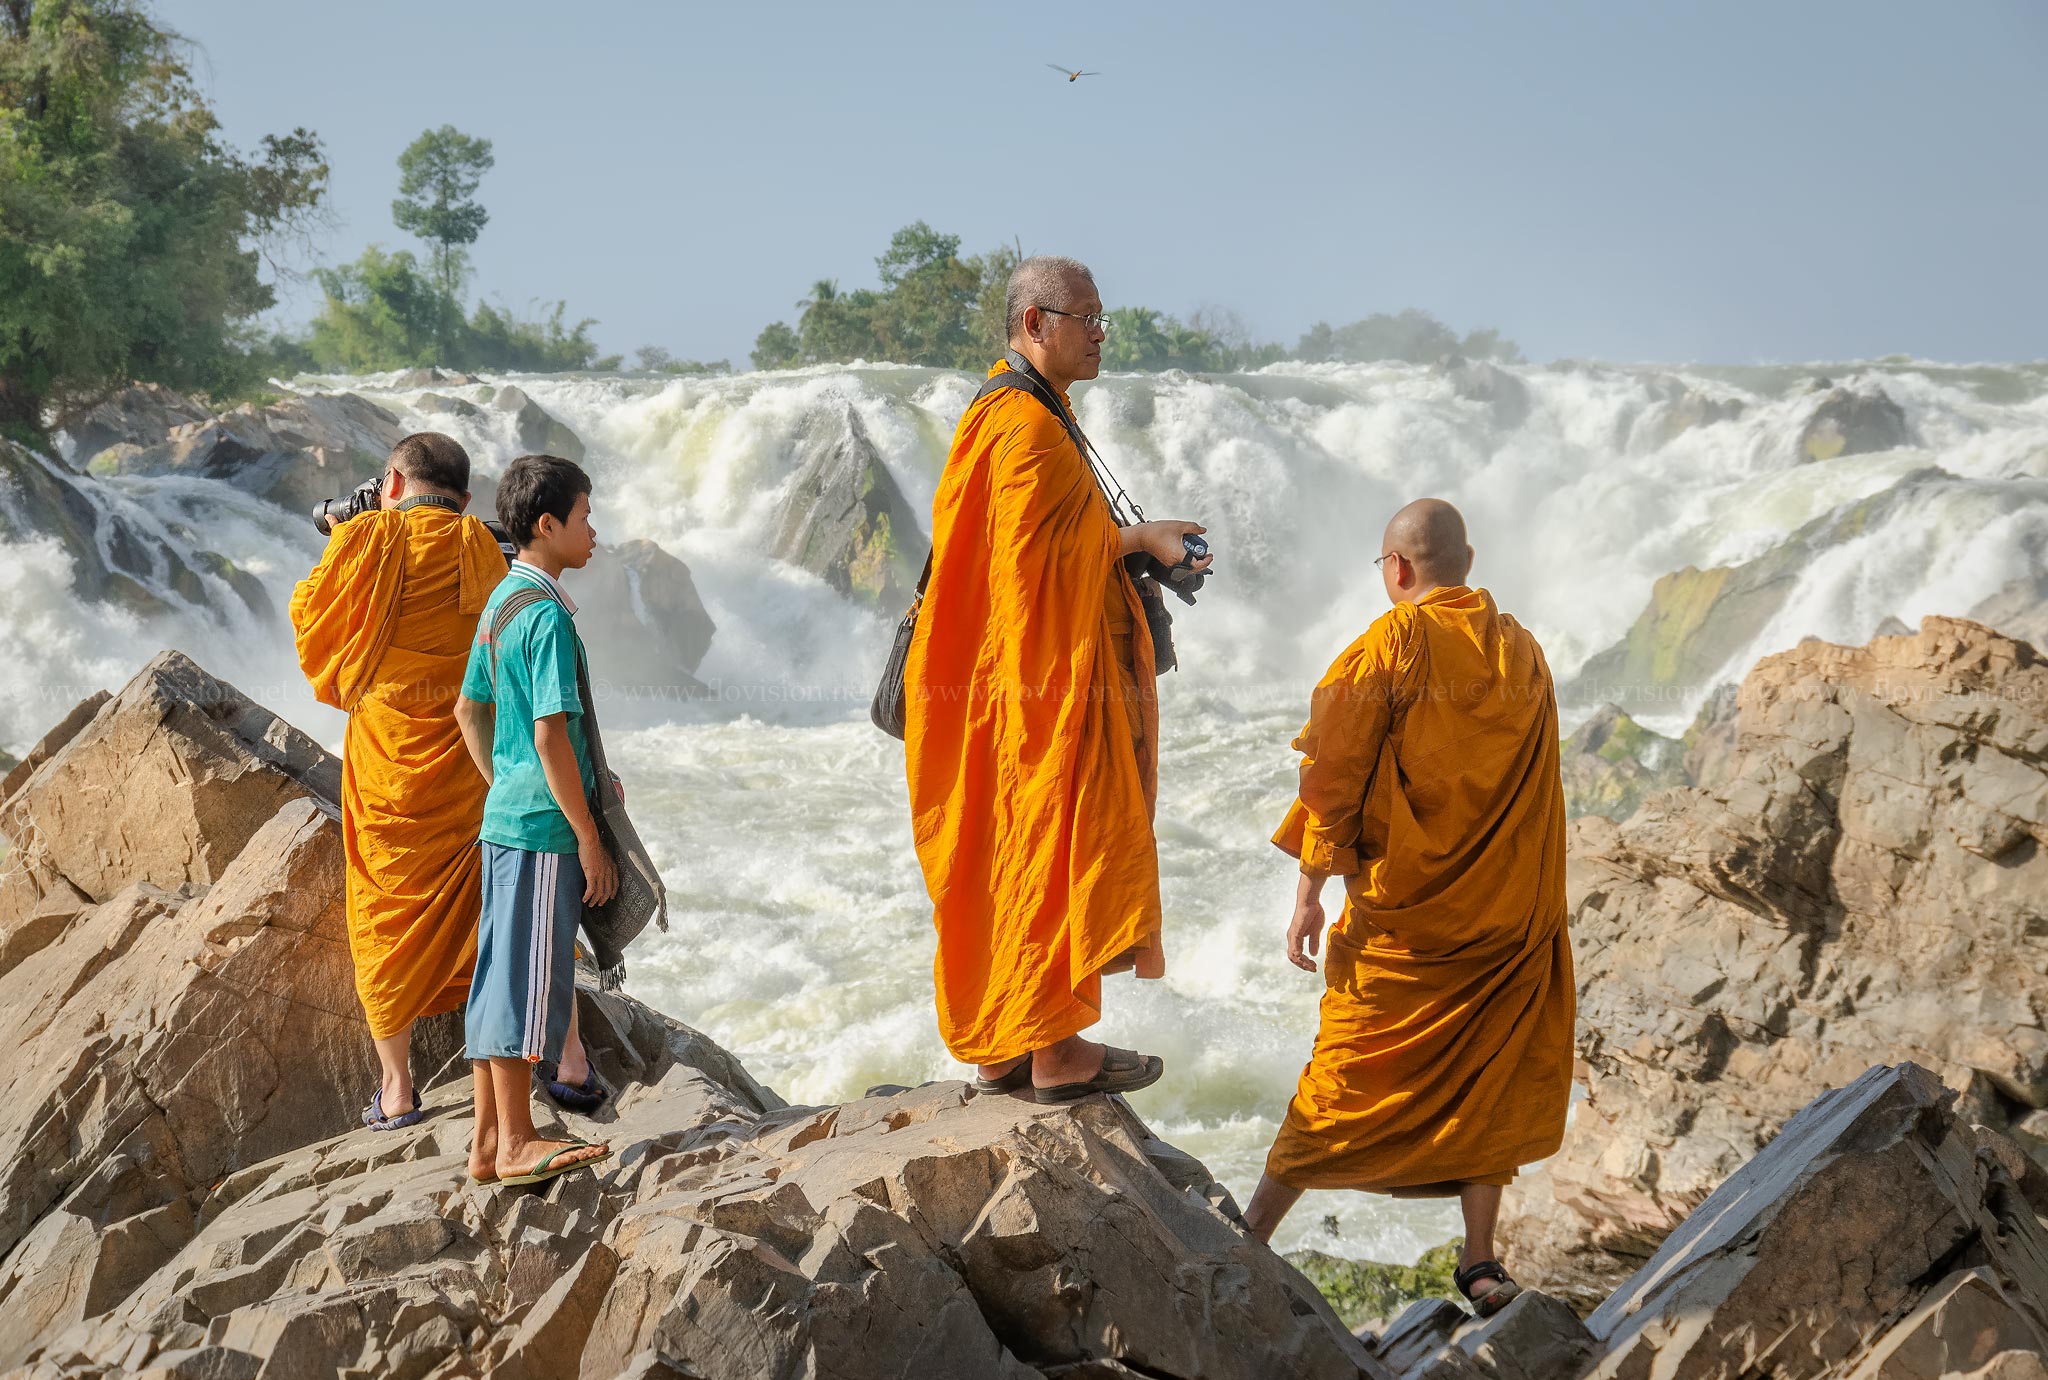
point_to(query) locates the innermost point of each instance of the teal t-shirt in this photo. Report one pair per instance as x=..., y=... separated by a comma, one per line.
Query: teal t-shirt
x=536, y=677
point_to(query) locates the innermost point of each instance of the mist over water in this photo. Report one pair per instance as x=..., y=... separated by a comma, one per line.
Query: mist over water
x=801, y=934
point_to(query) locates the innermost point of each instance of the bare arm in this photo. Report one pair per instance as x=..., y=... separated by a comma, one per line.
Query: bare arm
x=478, y=723
x=1163, y=540
x=565, y=782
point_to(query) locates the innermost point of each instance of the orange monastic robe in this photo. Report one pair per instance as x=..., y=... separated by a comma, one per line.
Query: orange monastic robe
x=1032, y=736
x=384, y=625
x=1429, y=782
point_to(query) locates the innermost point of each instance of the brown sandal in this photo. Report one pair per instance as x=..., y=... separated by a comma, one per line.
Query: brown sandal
x=1123, y=1070
x=1503, y=1292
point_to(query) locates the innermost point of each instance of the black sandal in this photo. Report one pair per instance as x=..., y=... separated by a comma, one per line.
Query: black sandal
x=1123, y=1070
x=1018, y=1077
x=1503, y=1293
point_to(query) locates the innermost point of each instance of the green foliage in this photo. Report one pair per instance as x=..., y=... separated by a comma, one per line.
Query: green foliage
x=385, y=312
x=656, y=360
x=1142, y=339
x=129, y=233
x=438, y=176
x=1364, y=1291
x=1414, y=336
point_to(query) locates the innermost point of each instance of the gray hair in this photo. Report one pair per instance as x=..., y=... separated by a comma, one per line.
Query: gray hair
x=1035, y=283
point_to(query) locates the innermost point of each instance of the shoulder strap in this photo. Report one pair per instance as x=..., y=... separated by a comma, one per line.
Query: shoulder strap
x=515, y=604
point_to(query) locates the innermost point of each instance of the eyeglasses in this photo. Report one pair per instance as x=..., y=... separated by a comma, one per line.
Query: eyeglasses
x=1094, y=321
x=1382, y=561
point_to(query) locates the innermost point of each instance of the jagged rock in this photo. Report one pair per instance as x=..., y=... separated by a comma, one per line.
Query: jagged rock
x=140, y=415
x=1709, y=741
x=46, y=747
x=1820, y=1250
x=1536, y=1337
x=1417, y=1334
x=1866, y=882
x=119, y=554
x=1681, y=409
x=1699, y=621
x=1506, y=397
x=293, y=453
x=844, y=519
x=644, y=622
x=2020, y=610
x=442, y=403
x=538, y=431
x=164, y=785
x=427, y=378
x=1611, y=763
x=1854, y=422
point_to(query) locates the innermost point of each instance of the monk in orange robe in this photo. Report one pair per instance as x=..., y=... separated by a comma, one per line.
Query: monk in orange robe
x=1031, y=725
x=1430, y=783
x=384, y=625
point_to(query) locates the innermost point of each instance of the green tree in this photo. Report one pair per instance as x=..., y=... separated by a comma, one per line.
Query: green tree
x=129, y=232
x=1412, y=335
x=438, y=177
x=381, y=312
x=777, y=347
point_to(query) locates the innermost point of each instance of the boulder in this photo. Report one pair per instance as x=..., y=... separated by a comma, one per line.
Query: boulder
x=140, y=415
x=1868, y=1240
x=1852, y=421
x=843, y=518
x=164, y=785
x=2019, y=610
x=1611, y=764
x=538, y=432
x=1505, y=396
x=294, y=453
x=1700, y=621
x=432, y=377
x=1680, y=408
x=119, y=553
x=644, y=622
x=1864, y=882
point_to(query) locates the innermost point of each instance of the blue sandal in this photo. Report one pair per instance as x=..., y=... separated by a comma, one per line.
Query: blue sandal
x=570, y=1097
x=374, y=1118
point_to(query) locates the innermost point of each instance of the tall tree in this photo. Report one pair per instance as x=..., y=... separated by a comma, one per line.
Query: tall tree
x=129, y=233
x=438, y=177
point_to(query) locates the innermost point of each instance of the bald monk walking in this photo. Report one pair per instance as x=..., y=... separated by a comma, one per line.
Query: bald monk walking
x=1031, y=724
x=1429, y=783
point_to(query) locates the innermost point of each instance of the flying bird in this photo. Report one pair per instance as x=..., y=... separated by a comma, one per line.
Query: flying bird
x=1070, y=73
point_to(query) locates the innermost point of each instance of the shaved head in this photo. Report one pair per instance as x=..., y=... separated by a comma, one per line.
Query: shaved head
x=1430, y=534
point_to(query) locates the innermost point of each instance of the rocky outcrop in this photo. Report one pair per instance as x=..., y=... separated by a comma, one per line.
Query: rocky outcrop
x=140, y=415
x=2020, y=610
x=1865, y=882
x=433, y=377
x=187, y=1192
x=1611, y=764
x=163, y=785
x=844, y=520
x=645, y=624
x=119, y=554
x=1505, y=397
x=1700, y=621
x=1854, y=421
x=1678, y=408
x=293, y=453
x=536, y=430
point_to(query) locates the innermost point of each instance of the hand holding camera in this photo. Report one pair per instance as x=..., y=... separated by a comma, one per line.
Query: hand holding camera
x=1177, y=556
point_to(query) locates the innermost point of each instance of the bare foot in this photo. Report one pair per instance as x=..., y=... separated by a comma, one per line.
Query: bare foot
x=483, y=1156
x=514, y=1161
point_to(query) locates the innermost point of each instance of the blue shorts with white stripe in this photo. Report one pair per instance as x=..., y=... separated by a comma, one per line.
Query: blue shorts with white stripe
x=525, y=982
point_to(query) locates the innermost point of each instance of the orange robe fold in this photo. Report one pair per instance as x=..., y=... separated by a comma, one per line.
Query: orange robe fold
x=384, y=625
x=1429, y=781
x=1031, y=729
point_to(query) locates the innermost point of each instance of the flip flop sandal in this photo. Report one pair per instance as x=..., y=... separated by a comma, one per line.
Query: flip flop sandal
x=1123, y=1070
x=1018, y=1077
x=1503, y=1293
x=570, y=1097
x=374, y=1118
x=545, y=1167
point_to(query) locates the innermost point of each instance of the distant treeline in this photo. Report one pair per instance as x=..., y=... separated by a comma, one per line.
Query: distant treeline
x=133, y=243
x=934, y=307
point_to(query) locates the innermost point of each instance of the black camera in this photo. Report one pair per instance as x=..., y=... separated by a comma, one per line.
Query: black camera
x=330, y=513
x=1183, y=579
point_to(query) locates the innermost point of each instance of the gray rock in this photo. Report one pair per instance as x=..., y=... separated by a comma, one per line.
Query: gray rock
x=644, y=622
x=1854, y=422
x=430, y=377
x=844, y=520
x=140, y=415
x=2019, y=610
x=1505, y=396
x=538, y=431
x=1611, y=764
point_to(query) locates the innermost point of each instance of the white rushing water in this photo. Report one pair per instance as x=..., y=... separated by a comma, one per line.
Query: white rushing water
x=802, y=937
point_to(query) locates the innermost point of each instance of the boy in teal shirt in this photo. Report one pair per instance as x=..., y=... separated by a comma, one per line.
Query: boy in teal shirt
x=521, y=715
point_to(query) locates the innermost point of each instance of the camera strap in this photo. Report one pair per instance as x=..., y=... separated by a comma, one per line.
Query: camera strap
x=406, y=505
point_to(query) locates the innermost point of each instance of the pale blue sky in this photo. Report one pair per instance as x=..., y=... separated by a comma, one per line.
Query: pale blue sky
x=1732, y=182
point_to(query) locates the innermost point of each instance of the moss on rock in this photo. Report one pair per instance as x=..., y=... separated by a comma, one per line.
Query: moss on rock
x=1366, y=1291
